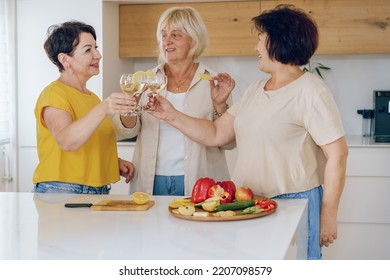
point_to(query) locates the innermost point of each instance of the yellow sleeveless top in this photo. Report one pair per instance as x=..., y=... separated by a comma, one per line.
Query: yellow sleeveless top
x=95, y=163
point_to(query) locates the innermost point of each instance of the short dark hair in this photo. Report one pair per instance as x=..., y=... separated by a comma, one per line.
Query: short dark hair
x=64, y=38
x=292, y=34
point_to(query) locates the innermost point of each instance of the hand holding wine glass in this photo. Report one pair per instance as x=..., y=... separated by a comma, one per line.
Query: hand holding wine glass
x=134, y=84
x=156, y=85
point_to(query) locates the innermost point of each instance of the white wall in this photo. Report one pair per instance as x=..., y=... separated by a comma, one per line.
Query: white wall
x=114, y=66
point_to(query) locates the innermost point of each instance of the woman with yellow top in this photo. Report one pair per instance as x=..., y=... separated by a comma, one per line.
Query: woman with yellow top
x=75, y=137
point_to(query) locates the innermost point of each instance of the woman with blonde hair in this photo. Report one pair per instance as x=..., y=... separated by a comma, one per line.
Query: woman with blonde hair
x=167, y=162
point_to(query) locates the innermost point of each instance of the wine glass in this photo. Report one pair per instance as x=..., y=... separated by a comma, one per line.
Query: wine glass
x=156, y=85
x=135, y=88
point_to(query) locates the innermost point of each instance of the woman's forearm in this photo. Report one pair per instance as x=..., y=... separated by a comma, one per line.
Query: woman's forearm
x=210, y=133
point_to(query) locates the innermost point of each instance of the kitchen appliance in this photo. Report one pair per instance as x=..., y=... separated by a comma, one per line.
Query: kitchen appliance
x=381, y=121
x=367, y=115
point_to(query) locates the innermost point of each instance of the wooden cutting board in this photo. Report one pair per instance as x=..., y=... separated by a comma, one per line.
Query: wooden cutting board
x=121, y=205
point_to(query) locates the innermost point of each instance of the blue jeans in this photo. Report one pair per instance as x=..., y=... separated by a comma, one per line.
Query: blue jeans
x=62, y=187
x=168, y=185
x=314, y=197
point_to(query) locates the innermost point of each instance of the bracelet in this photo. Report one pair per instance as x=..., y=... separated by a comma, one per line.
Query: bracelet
x=220, y=114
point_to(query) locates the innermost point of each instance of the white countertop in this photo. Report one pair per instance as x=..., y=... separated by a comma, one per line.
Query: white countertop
x=352, y=141
x=356, y=141
x=40, y=227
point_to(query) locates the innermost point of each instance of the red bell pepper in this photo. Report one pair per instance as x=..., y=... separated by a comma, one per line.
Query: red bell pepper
x=201, y=188
x=229, y=187
x=266, y=204
x=225, y=198
x=215, y=190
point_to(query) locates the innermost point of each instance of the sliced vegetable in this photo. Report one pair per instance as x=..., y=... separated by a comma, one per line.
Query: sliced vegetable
x=238, y=205
x=266, y=204
x=215, y=191
x=210, y=205
x=229, y=187
x=225, y=198
x=228, y=213
x=252, y=210
x=186, y=210
x=201, y=214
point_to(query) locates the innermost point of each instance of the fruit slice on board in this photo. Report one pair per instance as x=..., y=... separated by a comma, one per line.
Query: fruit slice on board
x=140, y=197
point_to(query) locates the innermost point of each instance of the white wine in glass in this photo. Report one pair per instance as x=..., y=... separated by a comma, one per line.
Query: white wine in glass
x=156, y=86
x=135, y=88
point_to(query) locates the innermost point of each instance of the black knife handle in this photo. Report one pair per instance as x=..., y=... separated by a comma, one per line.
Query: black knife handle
x=77, y=205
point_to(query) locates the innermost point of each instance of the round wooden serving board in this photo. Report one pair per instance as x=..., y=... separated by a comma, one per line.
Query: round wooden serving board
x=211, y=218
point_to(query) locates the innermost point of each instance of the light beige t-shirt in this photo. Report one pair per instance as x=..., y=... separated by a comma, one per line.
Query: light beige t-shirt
x=278, y=134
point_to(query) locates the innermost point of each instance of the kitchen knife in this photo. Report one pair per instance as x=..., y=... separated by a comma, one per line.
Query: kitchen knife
x=77, y=205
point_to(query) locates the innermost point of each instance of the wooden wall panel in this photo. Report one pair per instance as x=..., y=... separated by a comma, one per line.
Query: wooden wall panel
x=346, y=26
x=228, y=23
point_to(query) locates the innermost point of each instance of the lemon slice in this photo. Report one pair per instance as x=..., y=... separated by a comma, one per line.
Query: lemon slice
x=182, y=200
x=175, y=205
x=205, y=77
x=138, y=76
x=150, y=74
x=177, y=202
x=140, y=197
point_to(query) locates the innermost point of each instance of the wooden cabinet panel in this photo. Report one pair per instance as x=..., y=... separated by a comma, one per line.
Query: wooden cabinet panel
x=228, y=23
x=347, y=27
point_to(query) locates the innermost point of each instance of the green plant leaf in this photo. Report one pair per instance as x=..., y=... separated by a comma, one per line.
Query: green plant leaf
x=315, y=68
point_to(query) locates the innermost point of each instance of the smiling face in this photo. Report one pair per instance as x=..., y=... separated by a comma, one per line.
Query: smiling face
x=262, y=52
x=176, y=44
x=86, y=57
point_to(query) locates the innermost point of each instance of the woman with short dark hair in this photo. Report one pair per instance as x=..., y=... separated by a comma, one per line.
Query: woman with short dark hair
x=289, y=135
x=75, y=137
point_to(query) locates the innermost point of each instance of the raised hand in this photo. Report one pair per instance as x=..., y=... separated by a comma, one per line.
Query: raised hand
x=163, y=109
x=221, y=90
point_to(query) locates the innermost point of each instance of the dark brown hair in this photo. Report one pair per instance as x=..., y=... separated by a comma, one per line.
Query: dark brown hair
x=64, y=38
x=292, y=34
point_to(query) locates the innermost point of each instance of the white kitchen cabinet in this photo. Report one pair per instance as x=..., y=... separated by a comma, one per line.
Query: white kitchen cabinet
x=28, y=161
x=125, y=151
x=364, y=213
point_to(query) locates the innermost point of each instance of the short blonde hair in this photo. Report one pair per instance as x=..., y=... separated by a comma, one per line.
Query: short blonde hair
x=187, y=20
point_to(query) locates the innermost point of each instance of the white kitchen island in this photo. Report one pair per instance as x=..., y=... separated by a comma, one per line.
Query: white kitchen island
x=38, y=226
